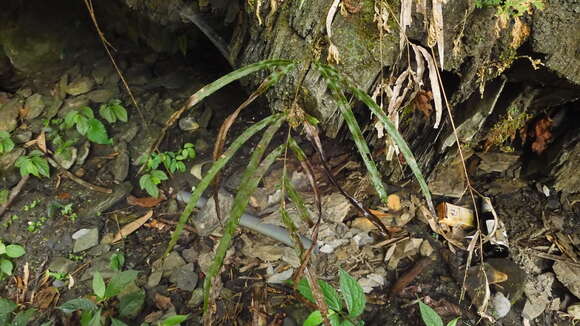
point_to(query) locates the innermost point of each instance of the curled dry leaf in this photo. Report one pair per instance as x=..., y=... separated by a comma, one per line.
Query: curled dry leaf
x=543, y=135
x=423, y=102
x=434, y=80
x=145, y=202
x=131, y=227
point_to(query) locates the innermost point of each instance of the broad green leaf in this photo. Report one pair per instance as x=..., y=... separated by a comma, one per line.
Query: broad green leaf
x=352, y=293
x=6, y=143
x=119, y=281
x=41, y=165
x=82, y=125
x=330, y=296
x=429, y=316
x=131, y=304
x=87, y=112
x=159, y=175
x=146, y=183
x=346, y=322
x=14, y=251
x=334, y=318
x=2, y=248
x=314, y=319
x=98, y=285
x=120, y=112
x=78, y=304
x=453, y=322
x=7, y=306
x=116, y=322
x=174, y=320
x=117, y=261
x=97, y=133
x=107, y=113
x=6, y=266
x=70, y=120
x=96, y=320
x=22, y=318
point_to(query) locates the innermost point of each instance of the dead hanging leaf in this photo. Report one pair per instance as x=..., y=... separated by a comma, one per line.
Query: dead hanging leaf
x=333, y=54
x=438, y=26
x=145, y=202
x=543, y=135
x=434, y=81
x=520, y=33
x=131, y=227
x=405, y=20
x=352, y=6
x=46, y=297
x=423, y=102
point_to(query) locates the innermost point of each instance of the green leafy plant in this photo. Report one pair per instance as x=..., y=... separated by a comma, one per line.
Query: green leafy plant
x=510, y=8
x=6, y=143
x=7, y=253
x=4, y=193
x=35, y=226
x=345, y=309
x=171, y=161
x=34, y=163
x=31, y=205
x=431, y=318
x=91, y=311
x=113, y=111
x=259, y=161
x=9, y=316
x=87, y=125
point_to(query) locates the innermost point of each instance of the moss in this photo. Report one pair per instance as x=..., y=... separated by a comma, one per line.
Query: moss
x=506, y=129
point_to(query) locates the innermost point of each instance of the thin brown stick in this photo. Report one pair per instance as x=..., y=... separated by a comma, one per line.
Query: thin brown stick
x=78, y=180
x=106, y=45
x=409, y=276
x=13, y=194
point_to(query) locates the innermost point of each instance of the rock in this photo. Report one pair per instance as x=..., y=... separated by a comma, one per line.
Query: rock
x=66, y=158
x=172, y=262
x=102, y=95
x=496, y=162
x=206, y=221
x=538, y=293
x=102, y=70
x=53, y=104
x=80, y=86
x=513, y=287
x=58, y=284
x=106, y=201
x=21, y=136
x=83, y=153
x=7, y=160
x=279, y=278
x=9, y=113
x=85, y=239
x=128, y=133
x=190, y=255
x=99, y=250
x=569, y=276
x=184, y=277
x=34, y=106
x=61, y=265
x=154, y=279
x=120, y=167
x=196, y=298
x=188, y=124
x=500, y=305
x=102, y=264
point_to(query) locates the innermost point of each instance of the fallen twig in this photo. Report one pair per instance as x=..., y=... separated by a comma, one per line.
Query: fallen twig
x=13, y=194
x=409, y=276
x=77, y=179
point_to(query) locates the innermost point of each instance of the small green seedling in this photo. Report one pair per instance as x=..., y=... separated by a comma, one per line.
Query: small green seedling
x=34, y=163
x=87, y=125
x=9, y=317
x=6, y=143
x=431, y=318
x=35, y=226
x=171, y=161
x=30, y=206
x=91, y=312
x=61, y=276
x=113, y=111
x=344, y=309
x=75, y=257
x=7, y=253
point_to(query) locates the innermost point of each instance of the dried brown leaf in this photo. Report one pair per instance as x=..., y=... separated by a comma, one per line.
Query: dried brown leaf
x=131, y=227
x=434, y=80
x=145, y=202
